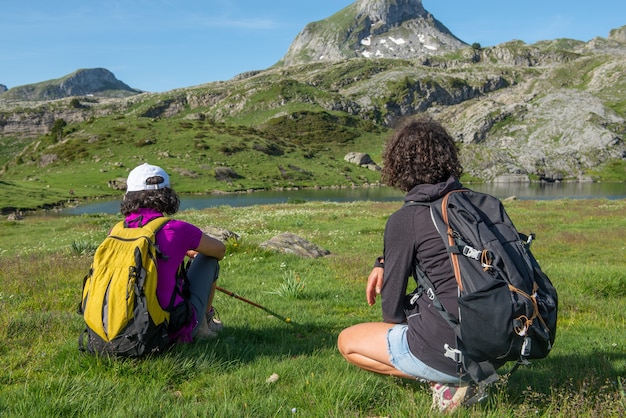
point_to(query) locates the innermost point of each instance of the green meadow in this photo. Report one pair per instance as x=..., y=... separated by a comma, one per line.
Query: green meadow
x=287, y=364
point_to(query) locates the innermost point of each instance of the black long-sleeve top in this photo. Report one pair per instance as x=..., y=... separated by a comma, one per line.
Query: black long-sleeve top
x=410, y=235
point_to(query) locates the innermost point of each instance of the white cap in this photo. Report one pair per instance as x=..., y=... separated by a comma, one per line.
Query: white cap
x=137, y=178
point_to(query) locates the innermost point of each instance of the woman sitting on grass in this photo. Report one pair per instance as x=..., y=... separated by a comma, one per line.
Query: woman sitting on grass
x=420, y=159
x=148, y=196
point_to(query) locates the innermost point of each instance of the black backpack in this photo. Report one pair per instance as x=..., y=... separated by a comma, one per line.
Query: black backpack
x=507, y=305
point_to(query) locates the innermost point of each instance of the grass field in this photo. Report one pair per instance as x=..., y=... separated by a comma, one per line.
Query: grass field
x=43, y=258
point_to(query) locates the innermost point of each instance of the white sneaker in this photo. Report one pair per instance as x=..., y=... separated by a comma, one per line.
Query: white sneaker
x=447, y=398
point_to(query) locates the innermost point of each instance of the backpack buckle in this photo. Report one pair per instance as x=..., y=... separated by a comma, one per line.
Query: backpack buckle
x=453, y=353
x=471, y=252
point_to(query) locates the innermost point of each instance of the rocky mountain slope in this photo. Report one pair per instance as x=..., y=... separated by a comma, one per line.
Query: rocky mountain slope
x=85, y=82
x=554, y=110
x=373, y=29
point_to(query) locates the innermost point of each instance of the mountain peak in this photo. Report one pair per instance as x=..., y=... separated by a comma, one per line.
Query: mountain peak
x=83, y=82
x=91, y=81
x=390, y=12
x=372, y=29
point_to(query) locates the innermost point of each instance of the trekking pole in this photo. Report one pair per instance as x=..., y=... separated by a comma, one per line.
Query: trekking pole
x=236, y=296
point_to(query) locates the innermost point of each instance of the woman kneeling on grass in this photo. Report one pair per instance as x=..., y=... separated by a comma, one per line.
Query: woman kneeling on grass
x=420, y=159
x=148, y=196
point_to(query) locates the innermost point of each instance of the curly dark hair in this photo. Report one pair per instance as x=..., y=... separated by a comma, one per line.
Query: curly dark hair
x=420, y=152
x=164, y=200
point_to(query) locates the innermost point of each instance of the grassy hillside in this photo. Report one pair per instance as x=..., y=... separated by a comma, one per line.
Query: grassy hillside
x=306, y=150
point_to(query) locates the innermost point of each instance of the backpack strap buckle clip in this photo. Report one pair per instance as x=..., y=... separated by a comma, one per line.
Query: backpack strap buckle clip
x=471, y=252
x=453, y=353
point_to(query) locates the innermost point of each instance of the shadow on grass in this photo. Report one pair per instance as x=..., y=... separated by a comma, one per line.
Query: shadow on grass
x=599, y=375
x=245, y=345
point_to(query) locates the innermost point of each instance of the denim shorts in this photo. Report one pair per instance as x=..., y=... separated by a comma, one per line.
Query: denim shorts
x=403, y=360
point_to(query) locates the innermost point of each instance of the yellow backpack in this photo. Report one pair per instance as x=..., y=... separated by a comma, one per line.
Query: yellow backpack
x=119, y=302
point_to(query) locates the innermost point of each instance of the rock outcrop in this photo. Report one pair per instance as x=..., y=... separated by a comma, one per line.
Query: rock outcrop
x=373, y=29
x=288, y=243
x=618, y=35
x=361, y=159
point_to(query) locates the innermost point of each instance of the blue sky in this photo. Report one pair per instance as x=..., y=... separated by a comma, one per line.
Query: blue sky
x=160, y=45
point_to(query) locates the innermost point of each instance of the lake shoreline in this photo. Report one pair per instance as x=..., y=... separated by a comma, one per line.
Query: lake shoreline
x=541, y=191
x=76, y=202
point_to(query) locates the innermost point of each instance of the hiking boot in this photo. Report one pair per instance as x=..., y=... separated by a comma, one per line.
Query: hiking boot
x=213, y=321
x=447, y=398
x=204, y=332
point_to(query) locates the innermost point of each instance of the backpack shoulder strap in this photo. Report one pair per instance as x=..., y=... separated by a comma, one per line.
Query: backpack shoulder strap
x=155, y=225
x=429, y=291
x=426, y=284
x=152, y=226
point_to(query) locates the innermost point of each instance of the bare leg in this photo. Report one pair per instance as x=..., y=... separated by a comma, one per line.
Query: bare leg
x=365, y=346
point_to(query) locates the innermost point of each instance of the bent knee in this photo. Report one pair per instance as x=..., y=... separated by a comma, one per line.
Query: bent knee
x=343, y=342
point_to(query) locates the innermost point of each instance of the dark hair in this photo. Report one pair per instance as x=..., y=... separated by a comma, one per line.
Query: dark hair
x=420, y=152
x=164, y=200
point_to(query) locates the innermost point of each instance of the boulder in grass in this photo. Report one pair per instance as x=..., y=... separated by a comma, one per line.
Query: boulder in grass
x=358, y=158
x=226, y=174
x=117, y=184
x=219, y=233
x=361, y=159
x=288, y=243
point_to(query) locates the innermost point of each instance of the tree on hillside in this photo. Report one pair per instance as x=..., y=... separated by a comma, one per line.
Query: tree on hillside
x=57, y=129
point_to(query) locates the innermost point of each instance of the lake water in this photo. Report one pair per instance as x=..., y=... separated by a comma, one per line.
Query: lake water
x=533, y=191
